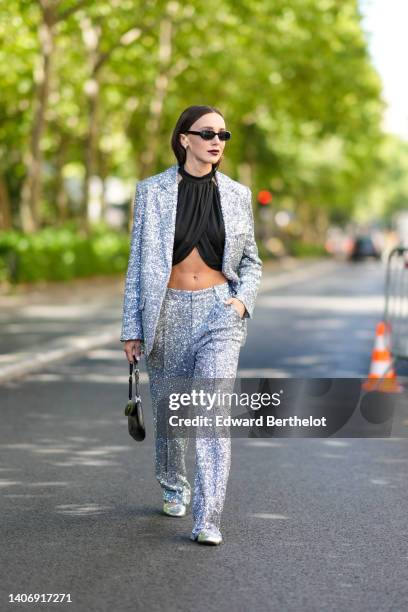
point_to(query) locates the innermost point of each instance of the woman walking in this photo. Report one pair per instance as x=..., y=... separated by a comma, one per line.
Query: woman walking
x=191, y=285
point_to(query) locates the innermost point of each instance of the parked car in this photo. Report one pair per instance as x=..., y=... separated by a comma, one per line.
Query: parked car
x=362, y=248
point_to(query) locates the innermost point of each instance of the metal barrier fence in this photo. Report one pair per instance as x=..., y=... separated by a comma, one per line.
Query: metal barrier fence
x=396, y=301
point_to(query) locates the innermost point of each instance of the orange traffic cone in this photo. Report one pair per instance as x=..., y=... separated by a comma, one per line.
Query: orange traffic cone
x=382, y=376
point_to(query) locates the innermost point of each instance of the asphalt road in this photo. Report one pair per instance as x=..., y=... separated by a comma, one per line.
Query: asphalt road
x=309, y=524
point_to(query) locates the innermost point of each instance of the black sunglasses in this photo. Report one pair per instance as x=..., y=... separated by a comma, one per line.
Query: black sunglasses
x=209, y=134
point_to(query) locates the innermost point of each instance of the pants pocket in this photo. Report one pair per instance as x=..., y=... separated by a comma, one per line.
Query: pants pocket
x=156, y=356
x=229, y=309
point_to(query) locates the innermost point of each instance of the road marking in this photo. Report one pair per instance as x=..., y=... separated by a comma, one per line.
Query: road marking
x=283, y=279
x=75, y=346
x=355, y=303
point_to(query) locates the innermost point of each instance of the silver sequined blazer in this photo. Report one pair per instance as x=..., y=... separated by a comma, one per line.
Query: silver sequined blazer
x=151, y=251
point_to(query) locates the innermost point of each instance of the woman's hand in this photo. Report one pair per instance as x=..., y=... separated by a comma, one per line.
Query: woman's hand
x=133, y=348
x=238, y=305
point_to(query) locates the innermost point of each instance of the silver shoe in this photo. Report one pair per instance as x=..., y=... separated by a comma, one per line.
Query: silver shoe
x=174, y=508
x=207, y=536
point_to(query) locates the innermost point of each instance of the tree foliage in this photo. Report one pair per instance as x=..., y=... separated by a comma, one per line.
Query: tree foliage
x=95, y=88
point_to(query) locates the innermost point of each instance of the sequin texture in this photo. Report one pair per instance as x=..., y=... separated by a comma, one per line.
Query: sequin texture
x=192, y=334
x=151, y=251
x=197, y=347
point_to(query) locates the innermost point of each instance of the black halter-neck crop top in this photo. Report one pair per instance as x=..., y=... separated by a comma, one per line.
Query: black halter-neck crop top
x=199, y=220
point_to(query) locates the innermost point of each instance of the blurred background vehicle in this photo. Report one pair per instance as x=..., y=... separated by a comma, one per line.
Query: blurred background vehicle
x=363, y=247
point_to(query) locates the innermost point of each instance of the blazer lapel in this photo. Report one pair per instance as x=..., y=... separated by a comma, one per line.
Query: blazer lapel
x=167, y=204
x=225, y=199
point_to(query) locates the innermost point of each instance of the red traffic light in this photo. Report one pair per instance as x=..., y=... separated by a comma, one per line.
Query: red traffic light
x=264, y=197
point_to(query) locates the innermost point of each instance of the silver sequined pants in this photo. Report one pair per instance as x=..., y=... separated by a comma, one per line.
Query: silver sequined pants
x=198, y=338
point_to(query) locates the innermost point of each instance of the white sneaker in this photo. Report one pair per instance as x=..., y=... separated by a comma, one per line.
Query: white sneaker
x=174, y=509
x=208, y=536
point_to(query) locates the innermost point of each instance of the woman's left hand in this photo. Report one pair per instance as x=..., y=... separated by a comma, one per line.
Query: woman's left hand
x=237, y=304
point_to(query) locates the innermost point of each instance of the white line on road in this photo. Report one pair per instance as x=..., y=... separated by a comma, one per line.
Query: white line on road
x=355, y=303
x=284, y=279
x=75, y=346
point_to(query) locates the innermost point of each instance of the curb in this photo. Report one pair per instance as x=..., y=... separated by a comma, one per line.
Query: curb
x=75, y=346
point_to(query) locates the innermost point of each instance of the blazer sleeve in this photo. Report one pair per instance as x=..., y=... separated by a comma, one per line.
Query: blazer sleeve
x=132, y=316
x=250, y=267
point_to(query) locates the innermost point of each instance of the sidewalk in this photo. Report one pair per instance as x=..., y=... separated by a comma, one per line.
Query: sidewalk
x=48, y=322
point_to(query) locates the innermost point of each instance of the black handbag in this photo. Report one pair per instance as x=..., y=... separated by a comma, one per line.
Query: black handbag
x=133, y=410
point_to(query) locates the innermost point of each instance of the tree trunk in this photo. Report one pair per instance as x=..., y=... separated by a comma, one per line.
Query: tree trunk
x=149, y=155
x=314, y=222
x=91, y=34
x=32, y=185
x=5, y=207
x=61, y=196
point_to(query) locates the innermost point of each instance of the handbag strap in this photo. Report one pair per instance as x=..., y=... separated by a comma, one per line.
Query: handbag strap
x=135, y=371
